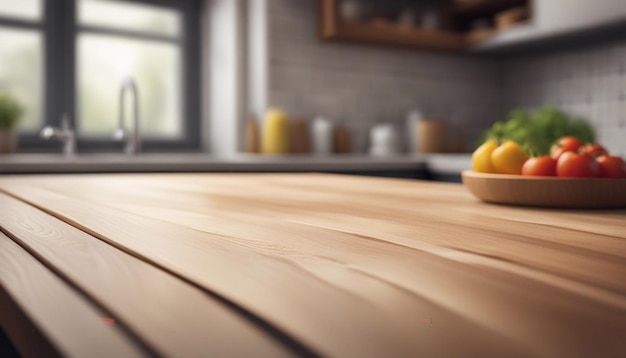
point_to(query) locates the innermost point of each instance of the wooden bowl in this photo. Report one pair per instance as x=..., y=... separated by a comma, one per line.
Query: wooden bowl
x=555, y=192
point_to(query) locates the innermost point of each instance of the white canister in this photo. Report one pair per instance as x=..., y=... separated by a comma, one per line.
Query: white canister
x=321, y=136
x=384, y=140
x=412, y=121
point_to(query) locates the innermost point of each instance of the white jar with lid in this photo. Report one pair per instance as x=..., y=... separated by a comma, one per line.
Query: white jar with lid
x=412, y=121
x=321, y=136
x=384, y=140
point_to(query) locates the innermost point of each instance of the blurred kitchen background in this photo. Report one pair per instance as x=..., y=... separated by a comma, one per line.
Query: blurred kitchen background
x=352, y=78
x=575, y=65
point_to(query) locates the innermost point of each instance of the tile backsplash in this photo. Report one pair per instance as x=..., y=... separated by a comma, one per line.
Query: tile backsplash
x=361, y=85
x=587, y=81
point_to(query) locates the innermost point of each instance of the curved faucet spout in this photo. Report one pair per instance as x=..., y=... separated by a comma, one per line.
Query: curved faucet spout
x=133, y=139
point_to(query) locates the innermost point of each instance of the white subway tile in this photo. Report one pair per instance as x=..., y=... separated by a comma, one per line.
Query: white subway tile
x=612, y=138
x=612, y=112
x=622, y=111
x=599, y=86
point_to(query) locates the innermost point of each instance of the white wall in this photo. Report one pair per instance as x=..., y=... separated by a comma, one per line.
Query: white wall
x=571, y=15
x=223, y=59
x=257, y=57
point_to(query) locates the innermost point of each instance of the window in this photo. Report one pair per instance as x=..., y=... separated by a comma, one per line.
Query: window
x=21, y=57
x=71, y=57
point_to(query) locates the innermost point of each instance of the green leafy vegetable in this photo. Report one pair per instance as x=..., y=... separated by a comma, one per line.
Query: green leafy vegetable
x=536, y=132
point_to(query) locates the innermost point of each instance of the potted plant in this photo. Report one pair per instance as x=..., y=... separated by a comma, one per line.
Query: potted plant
x=10, y=113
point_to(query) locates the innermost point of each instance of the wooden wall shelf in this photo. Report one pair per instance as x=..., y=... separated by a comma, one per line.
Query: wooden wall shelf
x=454, y=16
x=399, y=36
x=475, y=8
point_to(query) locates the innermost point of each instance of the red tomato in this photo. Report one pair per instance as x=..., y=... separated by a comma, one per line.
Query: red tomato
x=574, y=165
x=540, y=166
x=595, y=150
x=565, y=144
x=612, y=167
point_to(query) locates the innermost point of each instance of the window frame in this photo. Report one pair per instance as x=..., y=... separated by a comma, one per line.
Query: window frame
x=41, y=26
x=60, y=30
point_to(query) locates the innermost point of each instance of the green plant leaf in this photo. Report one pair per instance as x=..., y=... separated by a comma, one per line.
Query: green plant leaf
x=10, y=111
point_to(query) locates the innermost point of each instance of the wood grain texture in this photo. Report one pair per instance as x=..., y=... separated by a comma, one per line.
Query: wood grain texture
x=341, y=140
x=170, y=316
x=275, y=290
x=553, y=192
x=332, y=260
x=298, y=136
x=48, y=307
x=392, y=35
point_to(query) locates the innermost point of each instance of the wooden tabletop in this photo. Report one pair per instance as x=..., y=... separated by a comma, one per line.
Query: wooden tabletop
x=270, y=265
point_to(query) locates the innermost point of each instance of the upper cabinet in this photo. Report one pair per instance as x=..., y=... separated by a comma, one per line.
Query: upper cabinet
x=557, y=21
x=438, y=25
x=469, y=25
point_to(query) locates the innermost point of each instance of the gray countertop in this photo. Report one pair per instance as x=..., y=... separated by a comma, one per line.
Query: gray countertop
x=200, y=162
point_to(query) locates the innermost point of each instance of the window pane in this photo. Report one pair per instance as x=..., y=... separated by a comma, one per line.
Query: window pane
x=21, y=72
x=105, y=61
x=24, y=9
x=129, y=16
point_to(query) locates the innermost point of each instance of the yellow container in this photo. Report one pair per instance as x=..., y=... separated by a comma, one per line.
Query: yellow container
x=275, y=133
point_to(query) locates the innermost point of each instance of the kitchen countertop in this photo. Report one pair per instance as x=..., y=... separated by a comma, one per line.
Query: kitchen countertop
x=272, y=265
x=199, y=162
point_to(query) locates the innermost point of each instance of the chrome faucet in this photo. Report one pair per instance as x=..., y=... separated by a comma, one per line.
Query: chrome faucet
x=65, y=134
x=133, y=141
